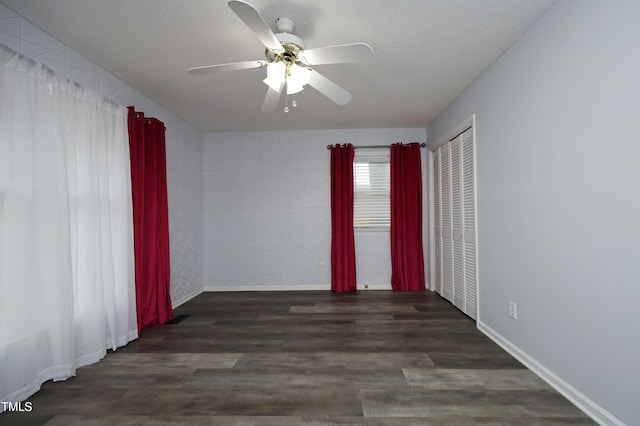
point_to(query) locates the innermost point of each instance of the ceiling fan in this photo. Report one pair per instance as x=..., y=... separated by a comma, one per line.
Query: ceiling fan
x=288, y=63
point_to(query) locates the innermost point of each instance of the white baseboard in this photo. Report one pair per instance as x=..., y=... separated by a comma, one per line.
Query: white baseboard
x=265, y=287
x=374, y=287
x=184, y=299
x=290, y=288
x=585, y=404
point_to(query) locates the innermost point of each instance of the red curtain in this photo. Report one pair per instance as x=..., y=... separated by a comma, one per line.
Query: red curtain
x=407, y=261
x=343, y=252
x=150, y=219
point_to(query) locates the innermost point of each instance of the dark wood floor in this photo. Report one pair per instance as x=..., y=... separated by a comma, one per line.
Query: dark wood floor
x=306, y=358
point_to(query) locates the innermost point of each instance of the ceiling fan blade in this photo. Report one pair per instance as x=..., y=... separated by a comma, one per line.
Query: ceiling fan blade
x=344, y=53
x=250, y=16
x=233, y=66
x=328, y=88
x=272, y=98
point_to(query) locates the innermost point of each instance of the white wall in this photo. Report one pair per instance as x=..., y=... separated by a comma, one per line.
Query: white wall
x=184, y=144
x=267, y=218
x=558, y=200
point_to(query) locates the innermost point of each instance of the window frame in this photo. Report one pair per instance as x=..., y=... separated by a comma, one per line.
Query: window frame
x=371, y=156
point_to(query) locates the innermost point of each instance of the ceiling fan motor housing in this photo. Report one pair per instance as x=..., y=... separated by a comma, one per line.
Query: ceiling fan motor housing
x=288, y=38
x=285, y=25
x=292, y=43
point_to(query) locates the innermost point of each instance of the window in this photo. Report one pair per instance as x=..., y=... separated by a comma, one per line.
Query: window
x=371, y=176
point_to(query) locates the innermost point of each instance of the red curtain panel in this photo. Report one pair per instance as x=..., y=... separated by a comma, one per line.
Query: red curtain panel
x=343, y=252
x=150, y=219
x=407, y=261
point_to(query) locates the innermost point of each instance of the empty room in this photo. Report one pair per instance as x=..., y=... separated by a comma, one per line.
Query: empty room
x=346, y=212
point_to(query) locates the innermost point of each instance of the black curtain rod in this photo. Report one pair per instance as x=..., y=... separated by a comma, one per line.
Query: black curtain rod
x=147, y=120
x=422, y=145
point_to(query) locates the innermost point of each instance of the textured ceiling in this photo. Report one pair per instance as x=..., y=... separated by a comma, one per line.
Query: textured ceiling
x=426, y=53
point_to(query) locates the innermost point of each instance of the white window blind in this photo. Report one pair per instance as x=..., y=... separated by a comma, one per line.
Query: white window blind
x=372, y=183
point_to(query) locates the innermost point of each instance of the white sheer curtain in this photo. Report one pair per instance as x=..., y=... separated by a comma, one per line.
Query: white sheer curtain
x=66, y=229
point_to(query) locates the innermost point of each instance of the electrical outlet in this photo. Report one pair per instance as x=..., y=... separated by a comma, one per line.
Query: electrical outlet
x=322, y=266
x=513, y=310
x=366, y=286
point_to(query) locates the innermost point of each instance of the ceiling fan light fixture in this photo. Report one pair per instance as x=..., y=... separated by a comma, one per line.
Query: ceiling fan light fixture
x=293, y=89
x=296, y=80
x=295, y=76
x=288, y=63
x=275, y=75
x=273, y=83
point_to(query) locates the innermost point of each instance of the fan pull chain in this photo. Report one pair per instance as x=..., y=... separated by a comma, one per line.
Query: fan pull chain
x=293, y=104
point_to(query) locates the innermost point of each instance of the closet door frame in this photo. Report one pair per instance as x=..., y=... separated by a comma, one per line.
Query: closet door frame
x=470, y=122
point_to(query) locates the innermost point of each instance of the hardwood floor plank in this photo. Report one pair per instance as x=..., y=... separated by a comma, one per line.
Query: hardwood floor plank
x=497, y=379
x=497, y=360
x=306, y=421
x=171, y=360
x=306, y=358
x=335, y=359
x=417, y=402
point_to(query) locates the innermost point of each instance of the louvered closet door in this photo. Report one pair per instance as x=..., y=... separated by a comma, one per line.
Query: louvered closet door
x=469, y=223
x=453, y=228
x=445, y=230
x=437, y=222
x=456, y=223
